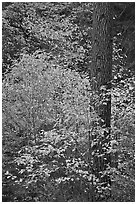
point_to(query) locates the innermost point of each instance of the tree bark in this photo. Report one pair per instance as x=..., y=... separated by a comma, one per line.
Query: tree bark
x=101, y=75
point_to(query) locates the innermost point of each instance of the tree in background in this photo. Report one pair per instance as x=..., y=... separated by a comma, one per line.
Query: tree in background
x=101, y=76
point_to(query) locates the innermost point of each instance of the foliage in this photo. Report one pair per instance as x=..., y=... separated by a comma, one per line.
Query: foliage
x=52, y=27
x=49, y=105
x=123, y=126
x=34, y=97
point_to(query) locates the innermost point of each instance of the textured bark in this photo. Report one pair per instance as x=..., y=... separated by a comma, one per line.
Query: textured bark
x=102, y=48
x=101, y=75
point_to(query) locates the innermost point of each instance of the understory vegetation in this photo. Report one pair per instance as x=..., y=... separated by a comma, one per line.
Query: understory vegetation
x=53, y=140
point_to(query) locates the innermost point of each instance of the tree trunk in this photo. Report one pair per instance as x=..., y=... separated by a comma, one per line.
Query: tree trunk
x=101, y=75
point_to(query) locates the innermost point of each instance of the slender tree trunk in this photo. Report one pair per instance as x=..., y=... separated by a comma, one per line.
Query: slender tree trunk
x=101, y=75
